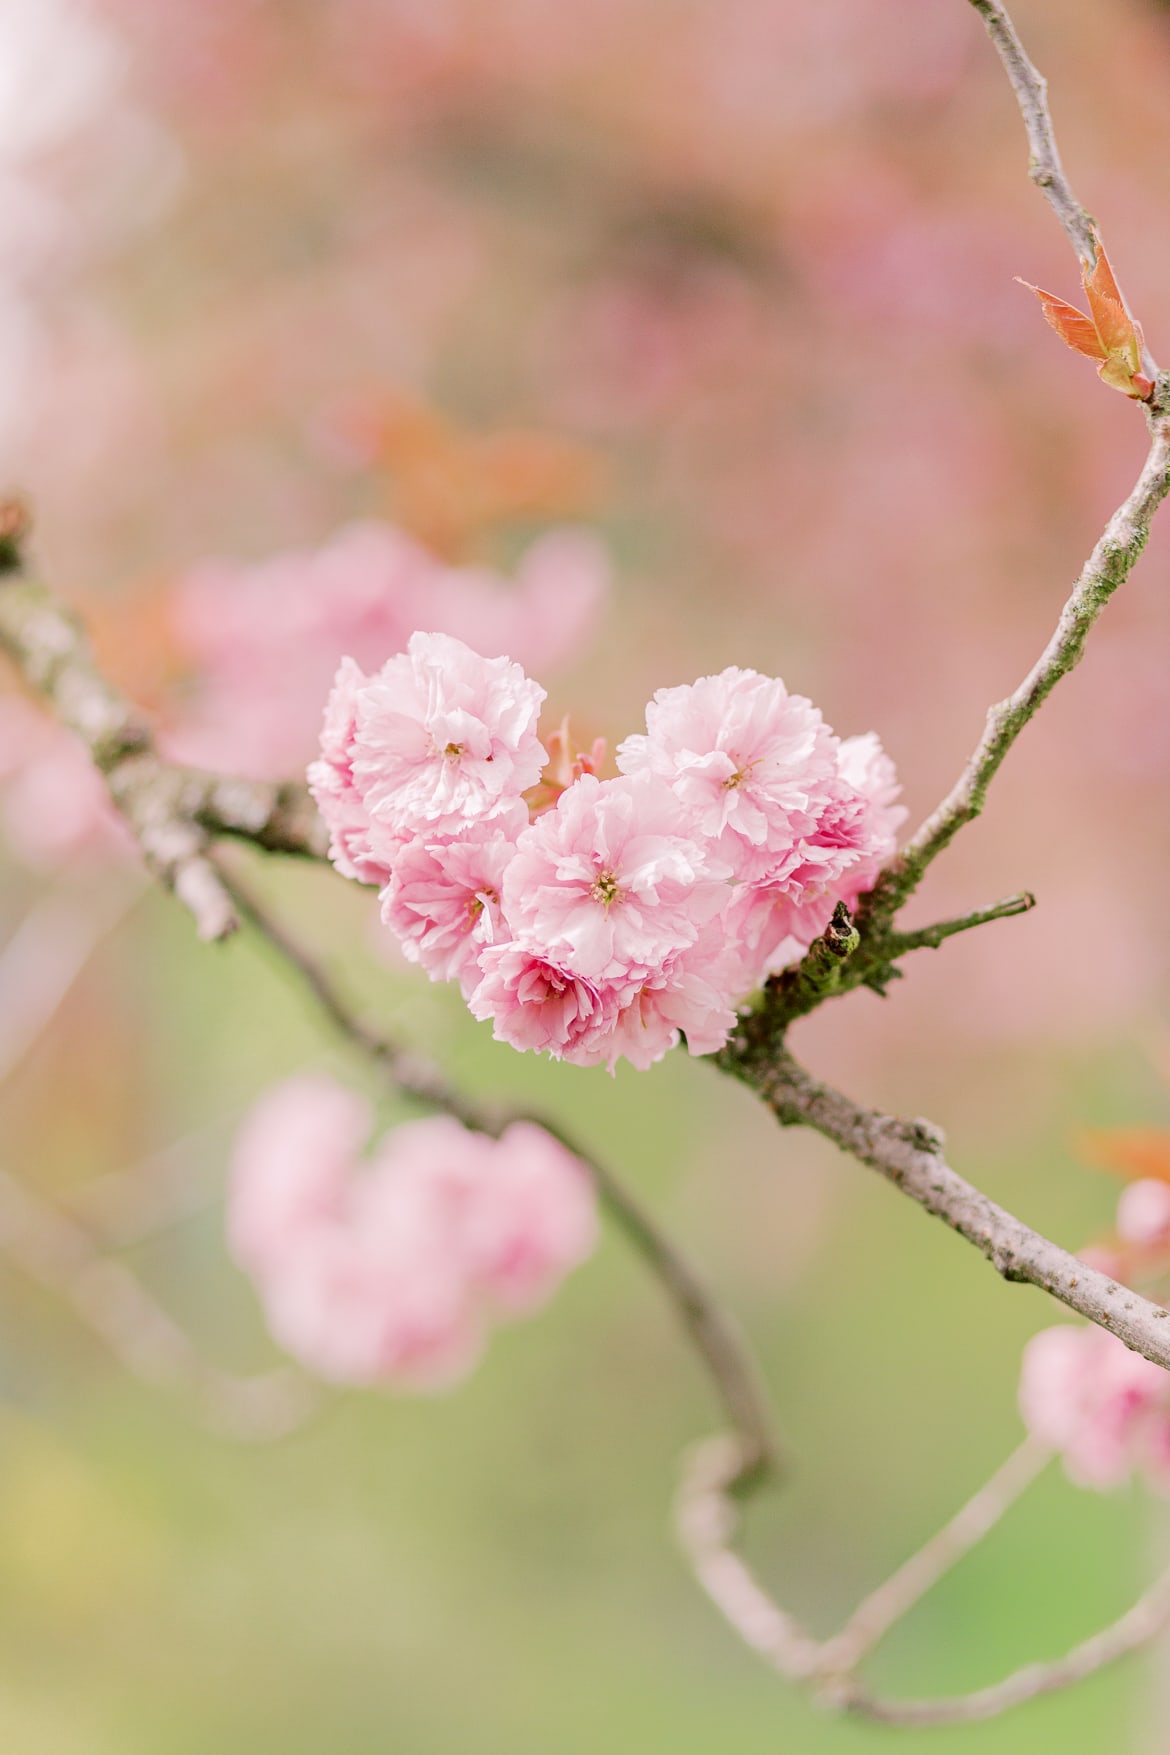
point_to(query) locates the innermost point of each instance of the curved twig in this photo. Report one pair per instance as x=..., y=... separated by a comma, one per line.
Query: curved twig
x=712, y=1331
x=1137, y=1627
x=1110, y=564
x=886, y=1606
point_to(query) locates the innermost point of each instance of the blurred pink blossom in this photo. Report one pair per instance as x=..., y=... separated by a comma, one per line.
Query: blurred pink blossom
x=1143, y=1213
x=266, y=638
x=391, y=1270
x=1105, y=1408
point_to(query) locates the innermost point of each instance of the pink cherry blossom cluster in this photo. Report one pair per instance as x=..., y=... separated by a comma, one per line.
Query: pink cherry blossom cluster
x=1105, y=1409
x=632, y=909
x=391, y=1271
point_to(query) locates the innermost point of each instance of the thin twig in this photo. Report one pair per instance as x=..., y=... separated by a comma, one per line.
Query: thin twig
x=874, y=1617
x=910, y=1155
x=711, y=1329
x=1044, y=166
x=707, y=1520
x=1136, y=1628
x=1109, y=565
x=931, y=937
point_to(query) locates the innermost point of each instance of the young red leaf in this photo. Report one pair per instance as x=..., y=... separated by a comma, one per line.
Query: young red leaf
x=1110, y=335
x=1114, y=324
x=1073, y=327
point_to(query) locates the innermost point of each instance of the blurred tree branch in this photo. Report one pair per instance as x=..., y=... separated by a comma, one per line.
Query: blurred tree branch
x=711, y=1329
x=174, y=813
x=1110, y=564
x=707, y=1520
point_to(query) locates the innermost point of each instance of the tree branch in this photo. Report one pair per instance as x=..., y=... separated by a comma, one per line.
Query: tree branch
x=1109, y=565
x=173, y=813
x=887, y=1605
x=931, y=937
x=707, y=1520
x=711, y=1329
x=1044, y=166
x=910, y=1155
x=1149, y=1615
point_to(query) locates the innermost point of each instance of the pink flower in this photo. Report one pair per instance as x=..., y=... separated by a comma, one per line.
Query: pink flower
x=290, y=1166
x=750, y=763
x=355, y=847
x=689, y=996
x=381, y=1294
x=267, y=636
x=542, y=621
x=864, y=766
x=606, y=883
x=537, y=1003
x=523, y=1208
x=775, y=918
x=1143, y=1213
x=1106, y=1409
x=772, y=922
x=443, y=900
x=389, y=1271
x=444, y=738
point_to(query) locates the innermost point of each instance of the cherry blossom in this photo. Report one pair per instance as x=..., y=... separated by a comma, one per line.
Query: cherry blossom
x=392, y=1269
x=352, y=836
x=750, y=762
x=1105, y=1408
x=594, y=919
x=444, y=738
x=443, y=898
x=536, y=1003
x=608, y=882
x=266, y=637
